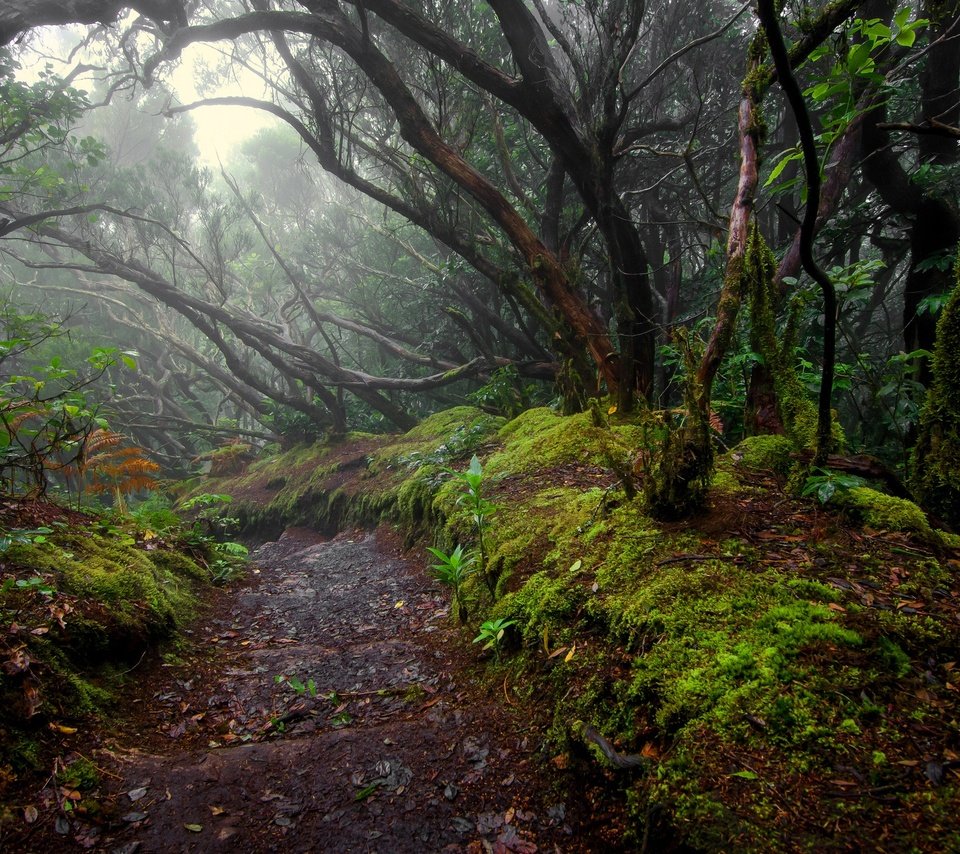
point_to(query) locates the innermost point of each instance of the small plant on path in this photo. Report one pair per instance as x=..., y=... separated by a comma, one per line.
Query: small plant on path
x=452, y=570
x=298, y=685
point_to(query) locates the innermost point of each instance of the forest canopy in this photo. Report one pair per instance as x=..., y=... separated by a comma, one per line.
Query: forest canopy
x=502, y=203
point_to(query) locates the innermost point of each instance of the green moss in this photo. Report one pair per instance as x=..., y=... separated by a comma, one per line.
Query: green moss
x=542, y=439
x=935, y=465
x=444, y=424
x=725, y=481
x=885, y=512
x=80, y=774
x=798, y=412
x=807, y=588
x=765, y=453
x=540, y=604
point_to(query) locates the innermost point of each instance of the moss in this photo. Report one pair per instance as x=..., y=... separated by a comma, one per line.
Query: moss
x=765, y=453
x=171, y=562
x=540, y=604
x=935, y=463
x=444, y=424
x=885, y=512
x=680, y=450
x=725, y=482
x=80, y=774
x=798, y=412
x=542, y=439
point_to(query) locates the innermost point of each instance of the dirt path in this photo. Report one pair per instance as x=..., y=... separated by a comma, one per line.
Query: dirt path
x=401, y=749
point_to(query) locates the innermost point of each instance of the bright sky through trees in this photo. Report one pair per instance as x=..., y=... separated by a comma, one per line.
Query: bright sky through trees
x=218, y=130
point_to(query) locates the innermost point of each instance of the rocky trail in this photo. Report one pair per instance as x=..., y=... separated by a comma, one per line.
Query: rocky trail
x=333, y=707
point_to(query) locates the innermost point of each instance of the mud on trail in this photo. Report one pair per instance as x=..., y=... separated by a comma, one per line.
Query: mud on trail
x=382, y=737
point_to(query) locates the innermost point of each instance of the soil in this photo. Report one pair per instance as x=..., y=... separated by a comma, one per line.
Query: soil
x=326, y=703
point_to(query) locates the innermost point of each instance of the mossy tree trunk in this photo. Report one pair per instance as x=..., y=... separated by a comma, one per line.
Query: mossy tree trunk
x=936, y=458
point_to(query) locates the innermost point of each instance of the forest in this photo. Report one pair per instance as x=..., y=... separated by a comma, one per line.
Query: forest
x=508, y=426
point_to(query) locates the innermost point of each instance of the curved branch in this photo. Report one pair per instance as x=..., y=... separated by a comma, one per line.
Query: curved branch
x=791, y=88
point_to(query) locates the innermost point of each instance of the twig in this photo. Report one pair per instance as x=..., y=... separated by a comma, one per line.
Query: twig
x=135, y=666
x=101, y=770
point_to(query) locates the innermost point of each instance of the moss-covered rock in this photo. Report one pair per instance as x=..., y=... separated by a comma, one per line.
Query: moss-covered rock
x=885, y=512
x=540, y=439
x=769, y=453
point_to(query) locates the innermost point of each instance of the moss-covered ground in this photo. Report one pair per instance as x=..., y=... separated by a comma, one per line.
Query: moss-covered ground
x=779, y=675
x=82, y=602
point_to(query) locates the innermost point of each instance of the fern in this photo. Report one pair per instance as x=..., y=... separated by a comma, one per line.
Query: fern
x=111, y=468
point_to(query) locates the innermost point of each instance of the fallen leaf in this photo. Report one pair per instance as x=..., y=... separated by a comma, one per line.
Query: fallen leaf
x=194, y=828
x=17, y=662
x=833, y=606
x=570, y=654
x=612, y=410
x=30, y=814
x=557, y=652
x=216, y=810
x=63, y=730
x=650, y=751
x=576, y=565
x=31, y=697
x=41, y=630
x=399, y=604
x=136, y=794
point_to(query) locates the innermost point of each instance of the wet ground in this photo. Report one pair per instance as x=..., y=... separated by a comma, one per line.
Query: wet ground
x=334, y=708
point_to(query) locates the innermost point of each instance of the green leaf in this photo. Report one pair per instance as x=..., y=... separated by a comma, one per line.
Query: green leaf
x=366, y=791
x=745, y=775
x=906, y=38
x=788, y=158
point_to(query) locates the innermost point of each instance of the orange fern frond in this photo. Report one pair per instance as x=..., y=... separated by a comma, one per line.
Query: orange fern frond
x=119, y=469
x=100, y=439
x=716, y=423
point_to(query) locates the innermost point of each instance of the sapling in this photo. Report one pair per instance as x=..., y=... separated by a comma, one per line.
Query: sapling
x=492, y=631
x=453, y=570
x=480, y=512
